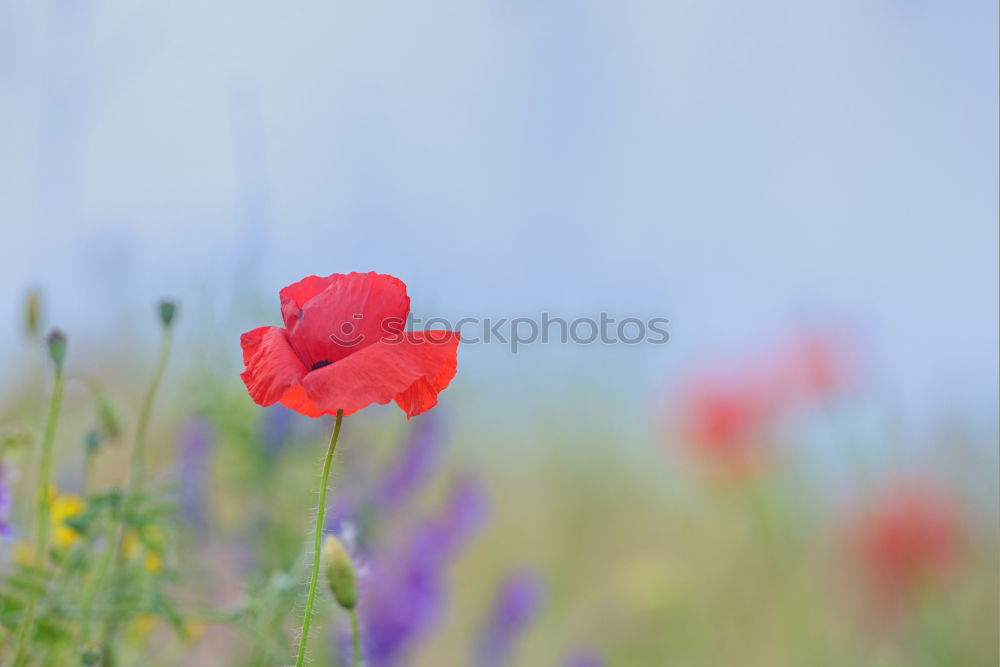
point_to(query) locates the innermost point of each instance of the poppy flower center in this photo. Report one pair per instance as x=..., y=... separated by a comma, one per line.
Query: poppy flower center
x=320, y=364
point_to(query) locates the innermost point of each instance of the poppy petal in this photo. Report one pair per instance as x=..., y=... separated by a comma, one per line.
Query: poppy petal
x=412, y=369
x=299, y=293
x=296, y=399
x=422, y=394
x=330, y=318
x=271, y=364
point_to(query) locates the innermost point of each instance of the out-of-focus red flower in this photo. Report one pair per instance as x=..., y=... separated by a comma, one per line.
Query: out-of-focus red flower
x=723, y=420
x=908, y=538
x=725, y=414
x=343, y=347
x=811, y=367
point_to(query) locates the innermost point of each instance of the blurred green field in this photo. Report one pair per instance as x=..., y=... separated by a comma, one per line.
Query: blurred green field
x=647, y=556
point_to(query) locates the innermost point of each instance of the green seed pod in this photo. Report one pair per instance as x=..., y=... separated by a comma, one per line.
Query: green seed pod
x=168, y=311
x=57, y=347
x=339, y=572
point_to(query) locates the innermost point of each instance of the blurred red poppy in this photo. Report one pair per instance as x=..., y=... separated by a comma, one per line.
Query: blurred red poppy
x=343, y=347
x=908, y=538
x=724, y=420
x=727, y=414
x=812, y=367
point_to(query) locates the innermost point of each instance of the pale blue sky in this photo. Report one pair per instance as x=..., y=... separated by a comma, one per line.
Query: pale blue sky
x=733, y=166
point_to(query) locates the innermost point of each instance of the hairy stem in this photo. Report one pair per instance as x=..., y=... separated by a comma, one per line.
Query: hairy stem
x=317, y=540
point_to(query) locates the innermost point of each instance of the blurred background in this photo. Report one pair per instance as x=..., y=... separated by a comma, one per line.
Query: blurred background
x=806, y=473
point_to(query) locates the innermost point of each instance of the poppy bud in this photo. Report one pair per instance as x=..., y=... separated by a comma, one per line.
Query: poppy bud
x=168, y=310
x=57, y=347
x=339, y=572
x=32, y=313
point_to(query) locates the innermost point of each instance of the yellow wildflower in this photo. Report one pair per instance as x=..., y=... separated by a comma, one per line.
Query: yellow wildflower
x=64, y=506
x=133, y=547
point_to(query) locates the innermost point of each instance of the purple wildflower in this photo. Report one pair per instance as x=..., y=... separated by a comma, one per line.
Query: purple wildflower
x=515, y=607
x=193, y=469
x=6, y=529
x=464, y=512
x=342, y=516
x=368, y=505
x=414, y=465
x=585, y=658
x=406, y=592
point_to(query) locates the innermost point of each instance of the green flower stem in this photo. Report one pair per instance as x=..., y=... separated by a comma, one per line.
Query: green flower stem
x=355, y=638
x=317, y=541
x=44, y=511
x=138, y=469
x=89, y=459
x=136, y=478
x=45, y=470
x=91, y=587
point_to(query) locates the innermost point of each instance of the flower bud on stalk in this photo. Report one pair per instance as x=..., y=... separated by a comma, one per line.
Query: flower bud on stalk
x=339, y=571
x=57, y=347
x=168, y=311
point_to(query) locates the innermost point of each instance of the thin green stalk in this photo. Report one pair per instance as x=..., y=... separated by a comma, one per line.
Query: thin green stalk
x=45, y=470
x=136, y=478
x=355, y=638
x=91, y=587
x=89, y=459
x=138, y=468
x=317, y=540
x=44, y=511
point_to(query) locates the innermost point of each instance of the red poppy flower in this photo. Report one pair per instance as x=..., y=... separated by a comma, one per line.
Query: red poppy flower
x=813, y=367
x=910, y=537
x=343, y=347
x=728, y=414
x=724, y=420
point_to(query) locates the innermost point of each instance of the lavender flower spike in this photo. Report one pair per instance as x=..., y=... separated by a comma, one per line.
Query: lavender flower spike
x=404, y=597
x=585, y=658
x=414, y=465
x=193, y=470
x=6, y=529
x=517, y=603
